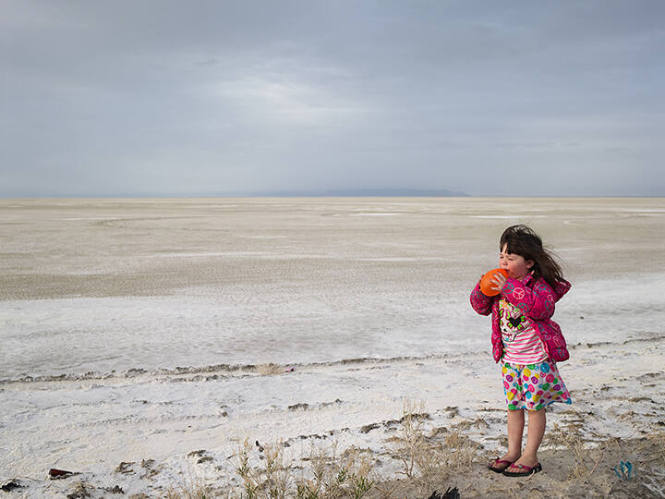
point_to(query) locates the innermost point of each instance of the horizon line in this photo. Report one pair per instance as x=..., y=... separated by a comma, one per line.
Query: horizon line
x=323, y=196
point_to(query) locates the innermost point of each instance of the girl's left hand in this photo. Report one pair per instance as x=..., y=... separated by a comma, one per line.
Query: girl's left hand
x=499, y=281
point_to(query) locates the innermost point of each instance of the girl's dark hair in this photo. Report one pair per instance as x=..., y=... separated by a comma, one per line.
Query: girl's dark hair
x=522, y=240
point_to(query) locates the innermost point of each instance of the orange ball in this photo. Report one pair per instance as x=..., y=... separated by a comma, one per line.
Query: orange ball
x=486, y=284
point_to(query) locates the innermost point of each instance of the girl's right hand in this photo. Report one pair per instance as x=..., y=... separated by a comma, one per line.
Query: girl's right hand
x=499, y=281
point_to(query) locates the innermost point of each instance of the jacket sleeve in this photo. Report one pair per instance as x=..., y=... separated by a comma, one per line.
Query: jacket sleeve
x=481, y=304
x=536, y=303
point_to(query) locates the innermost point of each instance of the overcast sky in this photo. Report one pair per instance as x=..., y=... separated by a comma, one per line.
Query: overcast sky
x=103, y=98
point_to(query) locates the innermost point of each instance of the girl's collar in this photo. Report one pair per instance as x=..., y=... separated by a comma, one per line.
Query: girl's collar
x=527, y=278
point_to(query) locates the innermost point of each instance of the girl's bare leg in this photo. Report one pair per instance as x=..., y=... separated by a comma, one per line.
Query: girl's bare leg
x=536, y=430
x=515, y=430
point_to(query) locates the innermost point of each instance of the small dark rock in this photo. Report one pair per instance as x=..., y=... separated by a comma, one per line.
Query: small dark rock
x=125, y=468
x=56, y=474
x=11, y=485
x=147, y=463
x=114, y=490
x=369, y=427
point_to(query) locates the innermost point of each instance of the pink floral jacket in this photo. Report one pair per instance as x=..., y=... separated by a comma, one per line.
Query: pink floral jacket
x=536, y=299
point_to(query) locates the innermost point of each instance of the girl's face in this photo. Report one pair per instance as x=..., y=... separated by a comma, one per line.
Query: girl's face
x=516, y=265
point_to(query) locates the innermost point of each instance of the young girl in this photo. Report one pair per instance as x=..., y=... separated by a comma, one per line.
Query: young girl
x=526, y=342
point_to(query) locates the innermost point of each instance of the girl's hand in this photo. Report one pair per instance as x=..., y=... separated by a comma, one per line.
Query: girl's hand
x=499, y=281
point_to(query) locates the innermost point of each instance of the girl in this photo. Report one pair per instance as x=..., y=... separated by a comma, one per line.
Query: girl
x=526, y=341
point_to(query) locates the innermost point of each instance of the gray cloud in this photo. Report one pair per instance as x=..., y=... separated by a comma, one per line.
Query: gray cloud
x=162, y=98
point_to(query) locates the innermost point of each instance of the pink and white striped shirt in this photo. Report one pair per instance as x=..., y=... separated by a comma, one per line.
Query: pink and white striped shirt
x=521, y=344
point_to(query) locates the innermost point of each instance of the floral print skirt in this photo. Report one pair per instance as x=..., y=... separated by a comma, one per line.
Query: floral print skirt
x=533, y=386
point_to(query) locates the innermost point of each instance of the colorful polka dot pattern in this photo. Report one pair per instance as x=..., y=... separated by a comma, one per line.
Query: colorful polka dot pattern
x=533, y=386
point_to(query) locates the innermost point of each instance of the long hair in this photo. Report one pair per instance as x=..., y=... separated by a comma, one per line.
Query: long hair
x=522, y=240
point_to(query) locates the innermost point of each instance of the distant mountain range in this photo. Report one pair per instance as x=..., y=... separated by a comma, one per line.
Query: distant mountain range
x=395, y=192
x=363, y=193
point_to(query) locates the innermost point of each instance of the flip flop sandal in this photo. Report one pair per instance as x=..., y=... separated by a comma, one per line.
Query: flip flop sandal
x=526, y=470
x=498, y=461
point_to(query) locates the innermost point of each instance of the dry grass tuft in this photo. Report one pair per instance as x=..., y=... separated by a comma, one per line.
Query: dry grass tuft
x=271, y=478
x=331, y=476
x=350, y=475
x=189, y=493
x=427, y=461
x=193, y=488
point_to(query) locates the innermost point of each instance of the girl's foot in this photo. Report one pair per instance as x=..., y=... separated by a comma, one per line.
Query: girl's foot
x=522, y=470
x=501, y=463
x=524, y=461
